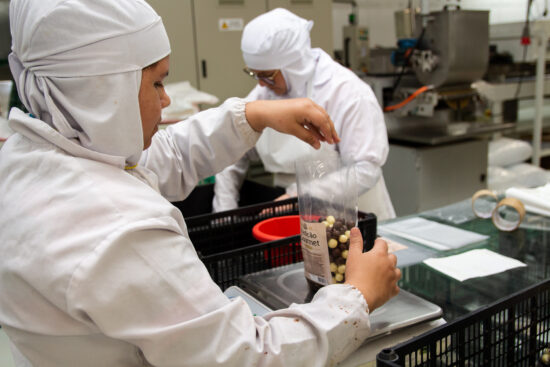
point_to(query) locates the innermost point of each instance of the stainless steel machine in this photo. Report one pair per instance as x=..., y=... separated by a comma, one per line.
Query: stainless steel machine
x=453, y=47
x=436, y=120
x=431, y=99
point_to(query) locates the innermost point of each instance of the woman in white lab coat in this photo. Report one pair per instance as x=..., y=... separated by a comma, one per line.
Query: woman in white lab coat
x=97, y=268
x=276, y=49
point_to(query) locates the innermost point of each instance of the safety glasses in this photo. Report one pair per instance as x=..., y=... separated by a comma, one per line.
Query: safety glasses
x=269, y=79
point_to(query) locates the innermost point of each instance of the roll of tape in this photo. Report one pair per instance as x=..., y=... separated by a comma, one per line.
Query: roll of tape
x=508, y=214
x=484, y=203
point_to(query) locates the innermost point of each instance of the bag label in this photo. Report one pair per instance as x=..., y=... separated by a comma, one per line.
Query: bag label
x=315, y=252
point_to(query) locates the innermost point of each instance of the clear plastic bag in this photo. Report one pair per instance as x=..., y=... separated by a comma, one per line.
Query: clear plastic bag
x=528, y=175
x=505, y=152
x=517, y=175
x=327, y=199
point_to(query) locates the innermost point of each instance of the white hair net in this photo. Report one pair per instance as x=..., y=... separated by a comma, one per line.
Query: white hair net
x=77, y=65
x=280, y=40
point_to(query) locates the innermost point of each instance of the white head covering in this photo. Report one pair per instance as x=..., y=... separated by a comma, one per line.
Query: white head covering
x=280, y=39
x=77, y=65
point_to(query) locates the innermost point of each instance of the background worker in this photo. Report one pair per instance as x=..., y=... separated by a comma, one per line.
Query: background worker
x=277, y=52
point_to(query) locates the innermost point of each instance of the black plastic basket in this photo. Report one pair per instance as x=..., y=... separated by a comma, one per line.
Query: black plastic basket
x=510, y=332
x=225, y=243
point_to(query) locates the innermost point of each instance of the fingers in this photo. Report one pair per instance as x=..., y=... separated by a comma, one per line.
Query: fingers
x=311, y=128
x=317, y=119
x=282, y=197
x=308, y=136
x=380, y=245
x=312, y=136
x=374, y=273
x=355, y=242
x=324, y=124
x=397, y=272
x=393, y=259
x=299, y=117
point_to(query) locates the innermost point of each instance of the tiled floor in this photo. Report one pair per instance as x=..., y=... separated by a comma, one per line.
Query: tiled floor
x=6, y=359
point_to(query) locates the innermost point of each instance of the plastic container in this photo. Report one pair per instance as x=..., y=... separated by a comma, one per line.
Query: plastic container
x=513, y=331
x=225, y=243
x=276, y=228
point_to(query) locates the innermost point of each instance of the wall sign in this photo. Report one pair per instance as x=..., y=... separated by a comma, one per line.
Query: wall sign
x=230, y=24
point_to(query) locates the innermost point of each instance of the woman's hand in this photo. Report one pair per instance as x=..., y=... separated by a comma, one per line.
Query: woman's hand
x=282, y=197
x=300, y=117
x=374, y=272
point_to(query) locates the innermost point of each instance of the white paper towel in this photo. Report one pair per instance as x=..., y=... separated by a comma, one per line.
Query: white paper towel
x=473, y=264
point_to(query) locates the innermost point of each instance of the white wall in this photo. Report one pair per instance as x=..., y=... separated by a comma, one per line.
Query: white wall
x=378, y=15
x=507, y=11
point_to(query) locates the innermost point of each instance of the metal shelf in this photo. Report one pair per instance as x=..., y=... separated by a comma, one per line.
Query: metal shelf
x=537, y=89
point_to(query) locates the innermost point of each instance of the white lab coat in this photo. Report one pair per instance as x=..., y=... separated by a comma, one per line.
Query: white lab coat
x=97, y=268
x=359, y=122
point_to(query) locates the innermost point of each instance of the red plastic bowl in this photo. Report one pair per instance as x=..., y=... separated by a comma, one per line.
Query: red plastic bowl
x=276, y=228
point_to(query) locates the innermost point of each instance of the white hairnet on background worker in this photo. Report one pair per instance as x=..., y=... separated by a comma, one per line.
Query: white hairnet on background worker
x=280, y=40
x=97, y=268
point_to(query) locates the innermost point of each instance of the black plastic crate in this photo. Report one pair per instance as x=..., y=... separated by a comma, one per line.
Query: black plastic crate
x=225, y=243
x=510, y=332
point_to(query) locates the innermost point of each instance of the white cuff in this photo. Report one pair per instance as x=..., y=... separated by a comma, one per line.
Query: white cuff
x=239, y=109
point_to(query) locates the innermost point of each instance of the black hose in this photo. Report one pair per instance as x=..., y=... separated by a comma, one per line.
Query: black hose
x=398, y=80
